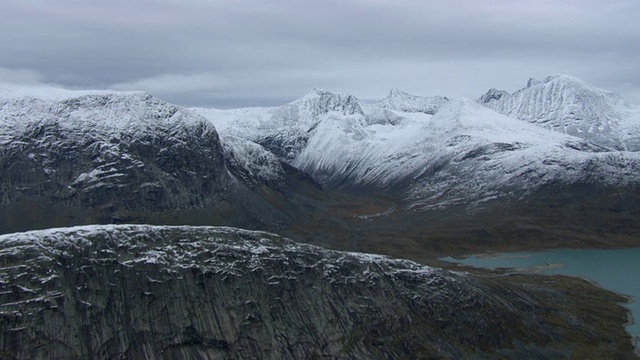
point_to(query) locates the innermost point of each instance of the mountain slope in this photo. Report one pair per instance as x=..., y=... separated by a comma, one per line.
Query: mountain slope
x=77, y=157
x=153, y=292
x=568, y=105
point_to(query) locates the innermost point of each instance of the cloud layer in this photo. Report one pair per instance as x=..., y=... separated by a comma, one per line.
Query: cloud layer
x=239, y=52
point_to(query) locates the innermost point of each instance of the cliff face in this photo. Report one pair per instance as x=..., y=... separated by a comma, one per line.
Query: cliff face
x=111, y=292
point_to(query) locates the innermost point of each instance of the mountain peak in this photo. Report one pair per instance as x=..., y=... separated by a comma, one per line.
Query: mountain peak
x=318, y=93
x=319, y=102
x=494, y=94
x=561, y=77
x=532, y=82
x=569, y=105
x=403, y=101
x=397, y=92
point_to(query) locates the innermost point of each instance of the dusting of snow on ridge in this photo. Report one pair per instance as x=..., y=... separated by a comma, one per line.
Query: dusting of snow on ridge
x=90, y=111
x=219, y=249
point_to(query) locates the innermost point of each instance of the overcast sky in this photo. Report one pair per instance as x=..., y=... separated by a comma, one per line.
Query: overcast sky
x=232, y=53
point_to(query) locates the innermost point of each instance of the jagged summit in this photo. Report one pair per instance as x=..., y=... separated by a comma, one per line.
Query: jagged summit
x=318, y=92
x=319, y=102
x=492, y=94
x=569, y=105
x=403, y=101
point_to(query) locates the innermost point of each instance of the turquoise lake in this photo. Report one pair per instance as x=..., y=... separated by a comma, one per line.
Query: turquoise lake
x=615, y=270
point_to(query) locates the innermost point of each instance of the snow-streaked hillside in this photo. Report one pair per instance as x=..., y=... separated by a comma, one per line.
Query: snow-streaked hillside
x=568, y=105
x=465, y=152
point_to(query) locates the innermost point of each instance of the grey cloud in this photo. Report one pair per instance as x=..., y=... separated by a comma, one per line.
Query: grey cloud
x=20, y=76
x=229, y=53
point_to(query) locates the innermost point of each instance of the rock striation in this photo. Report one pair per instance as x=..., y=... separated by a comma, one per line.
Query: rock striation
x=159, y=292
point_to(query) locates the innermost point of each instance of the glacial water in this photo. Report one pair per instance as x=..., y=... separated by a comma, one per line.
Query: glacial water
x=615, y=270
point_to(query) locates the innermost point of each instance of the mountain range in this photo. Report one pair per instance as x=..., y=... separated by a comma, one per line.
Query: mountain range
x=556, y=164
x=460, y=169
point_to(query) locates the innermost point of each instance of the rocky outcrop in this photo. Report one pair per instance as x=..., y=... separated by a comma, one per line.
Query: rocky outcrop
x=492, y=95
x=114, y=292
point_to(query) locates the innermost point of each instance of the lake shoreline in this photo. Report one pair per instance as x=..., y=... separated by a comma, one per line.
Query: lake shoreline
x=491, y=269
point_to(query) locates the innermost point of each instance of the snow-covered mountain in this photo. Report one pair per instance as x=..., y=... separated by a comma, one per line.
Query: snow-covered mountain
x=283, y=130
x=409, y=176
x=463, y=153
x=104, y=156
x=402, y=101
x=568, y=105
